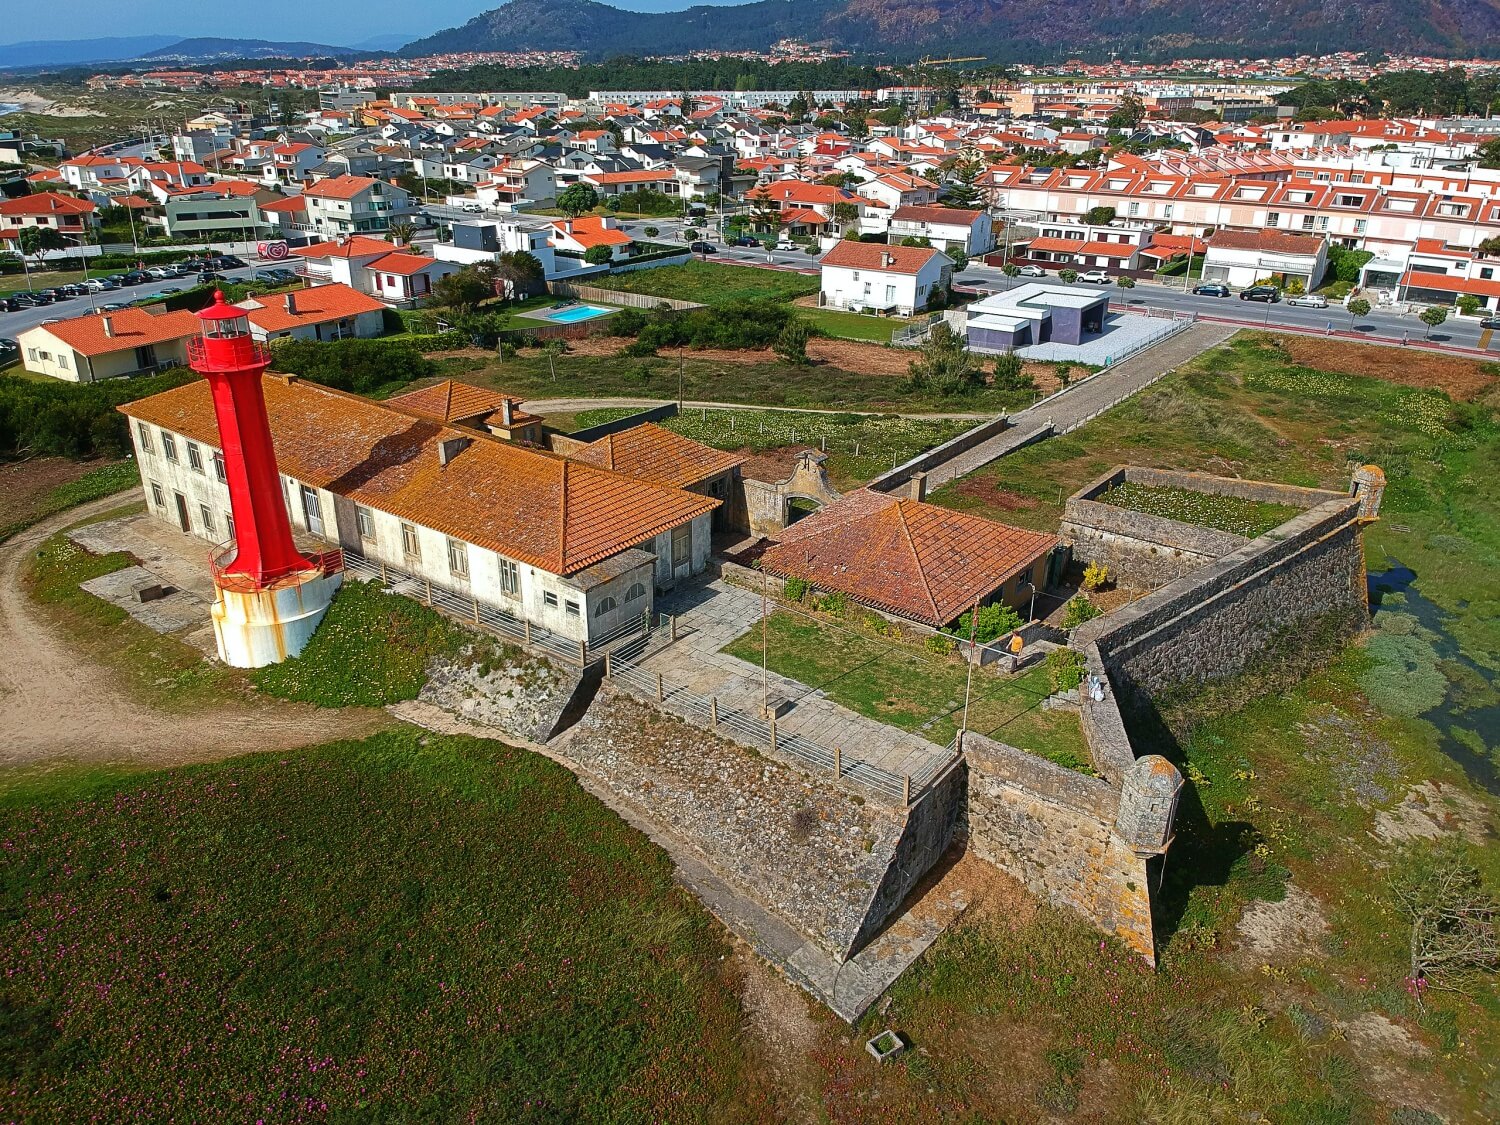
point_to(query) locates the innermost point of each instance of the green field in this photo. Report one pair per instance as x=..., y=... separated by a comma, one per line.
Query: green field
x=852, y=326
x=712, y=284
x=1249, y=518
x=409, y=927
x=915, y=690
x=104, y=480
x=859, y=447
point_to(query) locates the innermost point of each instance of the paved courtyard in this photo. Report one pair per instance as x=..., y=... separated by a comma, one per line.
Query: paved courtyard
x=1123, y=333
x=709, y=616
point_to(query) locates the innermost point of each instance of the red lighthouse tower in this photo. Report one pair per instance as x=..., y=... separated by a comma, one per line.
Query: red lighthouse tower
x=270, y=597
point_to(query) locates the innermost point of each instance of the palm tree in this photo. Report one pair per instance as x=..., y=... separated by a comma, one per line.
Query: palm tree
x=403, y=233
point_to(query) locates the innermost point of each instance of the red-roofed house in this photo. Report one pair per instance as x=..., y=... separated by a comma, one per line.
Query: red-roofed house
x=85, y=349
x=375, y=267
x=970, y=231
x=354, y=204
x=320, y=312
x=581, y=235
x=62, y=213
x=889, y=279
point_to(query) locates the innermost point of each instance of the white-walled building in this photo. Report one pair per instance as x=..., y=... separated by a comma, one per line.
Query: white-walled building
x=892, y=279
x=945, y=227
x=1237, y=257
x=342, y=205
x=568, y=546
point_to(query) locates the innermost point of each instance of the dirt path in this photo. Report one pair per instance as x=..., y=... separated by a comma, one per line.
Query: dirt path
x=56, y=705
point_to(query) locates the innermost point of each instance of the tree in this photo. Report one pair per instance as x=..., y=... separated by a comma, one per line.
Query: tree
x=1010, y=374
x=598, y=255
x=916, y=240
x=1489, y=154
x=1125, y=282
x=36, y=242
x=1067, y=277
x=1099, y=216
x=1454, y=920
x=1128, y=116
x=577, y=199
x=464, y=289
x=652, y=232
x=791, y=344
x=797, y=107
x=845, y=213
x=403, y=233
x=944, y=364
x=1357, y=308
x=1011, y=270
x=960, y=259
x=963, y=188
x=1432, y=316
x=519, y=274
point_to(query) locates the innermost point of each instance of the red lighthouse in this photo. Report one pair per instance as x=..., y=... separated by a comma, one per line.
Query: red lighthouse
x=270, y=596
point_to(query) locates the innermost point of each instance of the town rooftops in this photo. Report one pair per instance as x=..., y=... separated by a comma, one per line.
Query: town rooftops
x=909, y=558
x=1266, y=241
x=357, y=246
x=654, y=453
x=548, y=512
x=99, y=334
x=299, y=308
x=886, y=259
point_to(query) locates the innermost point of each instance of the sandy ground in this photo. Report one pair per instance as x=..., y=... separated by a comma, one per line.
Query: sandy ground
x=56, y=705
x=1460, y=378
x=32, y=102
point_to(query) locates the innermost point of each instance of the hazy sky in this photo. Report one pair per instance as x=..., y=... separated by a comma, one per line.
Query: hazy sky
x=323, y=21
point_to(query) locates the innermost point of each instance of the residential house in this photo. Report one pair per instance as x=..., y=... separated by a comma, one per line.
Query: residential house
x=1237, y=257
x=374, y=267
x=69, y=216
x=113, y=345
x=653, y=453
x=1031, y=314
x=576, y=237
x=229, y=207
x=558, y=544
x=485, y=240
x=945, y=227
x=891, y=279
x=1088, y=246
x=318, y=312
x=354, y=204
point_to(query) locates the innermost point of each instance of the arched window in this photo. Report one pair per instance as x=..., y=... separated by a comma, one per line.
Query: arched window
x=636, y=591
x=606, y=605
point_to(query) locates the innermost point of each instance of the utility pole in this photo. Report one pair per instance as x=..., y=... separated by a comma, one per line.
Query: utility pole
x=963, y=728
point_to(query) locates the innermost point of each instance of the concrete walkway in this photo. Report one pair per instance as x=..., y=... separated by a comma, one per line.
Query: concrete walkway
x=711, y=615
x=545, y=406
x=1072, y=407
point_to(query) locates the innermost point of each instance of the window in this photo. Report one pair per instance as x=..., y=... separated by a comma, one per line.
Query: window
x=510, y=578
x=156, y=495
x=636, y=592
x=682, y=545
x=169, y=446
x=144, y=433
x=207, y=516
x=549, y=599
x=62, y=360
x=195, y=457
x=364, y=519
x=219, y=468
x=1307, y=222
x=606, y=605
x=572, y=608
x=1273, y=219
x=1132, y=209
x=458, y=558
x=229, y=525
x=1359, y=226
x=411, y=546
x=1166, y=212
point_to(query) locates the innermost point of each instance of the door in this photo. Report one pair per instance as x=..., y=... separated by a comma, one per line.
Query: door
x=182, y=512
x=312, y=510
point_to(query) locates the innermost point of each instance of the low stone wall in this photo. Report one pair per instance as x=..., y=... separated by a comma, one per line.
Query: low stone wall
x=939, y=455
x=765, y=502
x=629, y=422
x=1053, y=829
x=1103, y=726
x=1216, y=622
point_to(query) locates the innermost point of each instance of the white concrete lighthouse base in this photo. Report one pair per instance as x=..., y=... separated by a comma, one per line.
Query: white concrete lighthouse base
x=263, y=627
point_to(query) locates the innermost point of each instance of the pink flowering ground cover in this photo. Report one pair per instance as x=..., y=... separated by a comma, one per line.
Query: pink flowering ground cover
x=407, y=927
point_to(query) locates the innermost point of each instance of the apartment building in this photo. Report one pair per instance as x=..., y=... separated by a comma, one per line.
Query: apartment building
x=342, y=205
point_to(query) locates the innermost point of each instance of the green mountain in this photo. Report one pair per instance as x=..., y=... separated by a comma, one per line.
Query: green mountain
x=1001, y=29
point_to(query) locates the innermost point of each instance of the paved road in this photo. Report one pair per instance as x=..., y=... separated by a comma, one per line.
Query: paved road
x=16, y=322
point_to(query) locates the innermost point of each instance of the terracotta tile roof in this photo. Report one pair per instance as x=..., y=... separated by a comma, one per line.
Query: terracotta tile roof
x=913, y=559
x=521, y=502
x=1270, y=241
x=359, y=246
x=1450, y=283
x=654, y=453
x=590, y=231
x=795, y=216
x=340, y=187
x=316, y=305
x=948, y=216
x=874, y=256
x=1056, y=245
x=1109, y=249
x=132, y=328
x=450, y=401
x=46, y=203
x=291, y=204
x=402, y=263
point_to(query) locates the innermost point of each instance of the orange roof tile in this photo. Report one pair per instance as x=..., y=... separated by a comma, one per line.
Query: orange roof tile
x=358, y=246
x=651, y=452
x=316, y=305
x=874, y=256
x=450, y=401
x=130, y=328
x=339, y=187
x=521, y=502
x=917, y=560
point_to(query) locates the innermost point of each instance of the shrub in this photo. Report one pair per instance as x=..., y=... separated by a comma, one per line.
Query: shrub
x=794, y=589
x=939, y=645
x=1468, y=304
x=1125, y=282
x=1079, y=610
x=1099, y=216
x=56, y=419
x=598, y=255
x=994, y=621
x=835, y=605
x=1010, y=374
x=1295, y=288
x=1067, y=276
x=652, y=232
x=791, y=345
x=1064, y=669
x=361, y=366
x=639, y=348
x=1095, y=576
x=627, y=322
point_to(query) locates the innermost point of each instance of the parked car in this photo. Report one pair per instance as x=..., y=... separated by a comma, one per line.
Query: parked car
x=8, y=348
x=703, y=248
x=42, y=297
x=1308, y=301
x=112, y=307
x=744, y=240
x=1095, y=277
x=1490, y=322
x=98, y=284
x=1032, y=271
x=1267, y=293
x=171, y=289
x=134, y=277
x=1211, y=290
x=159, y=273
x=18, y=301
x=472, y=209
x=208, y=276
x=72, y=290
x=229, y=262
x=10, y=304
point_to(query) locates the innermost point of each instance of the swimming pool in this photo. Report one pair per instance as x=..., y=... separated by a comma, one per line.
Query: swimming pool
x=574, y=313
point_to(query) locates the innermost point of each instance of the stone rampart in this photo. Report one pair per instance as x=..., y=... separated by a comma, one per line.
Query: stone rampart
x=1054, y=829
x=1216, y=622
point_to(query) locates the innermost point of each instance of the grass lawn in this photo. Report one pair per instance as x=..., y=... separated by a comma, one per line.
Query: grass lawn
x=405, y=927
x=814, y=386
x=852, y=326
x=1250, y=518
x=859, y=447
x=711, y=284
x=915, y=690
x=37, y=489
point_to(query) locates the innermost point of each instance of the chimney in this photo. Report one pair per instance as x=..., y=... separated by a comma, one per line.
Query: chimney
x=108, y=324
x=291, y=303
x=916, y=488
x=506, y=413
x=450, y=448
x=887, y=258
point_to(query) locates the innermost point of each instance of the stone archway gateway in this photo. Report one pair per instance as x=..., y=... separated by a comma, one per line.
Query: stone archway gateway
x=770, y=506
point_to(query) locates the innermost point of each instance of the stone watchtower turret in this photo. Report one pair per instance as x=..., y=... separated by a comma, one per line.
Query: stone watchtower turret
x=1148, y=805
x=1368, y=484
